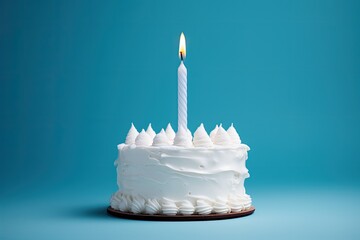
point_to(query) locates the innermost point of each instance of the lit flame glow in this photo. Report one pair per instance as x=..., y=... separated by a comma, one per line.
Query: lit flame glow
x=182, y=46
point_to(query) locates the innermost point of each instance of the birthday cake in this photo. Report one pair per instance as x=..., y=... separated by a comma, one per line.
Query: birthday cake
x=179, y=174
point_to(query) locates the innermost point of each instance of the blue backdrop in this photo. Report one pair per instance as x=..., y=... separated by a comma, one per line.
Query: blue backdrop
x=75, y=74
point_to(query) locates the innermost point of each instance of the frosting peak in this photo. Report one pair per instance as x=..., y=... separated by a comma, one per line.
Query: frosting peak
x=161, y=139
x=189, y=134
x=222, y=137
x=182, y=138
x=170, y=133
x=143, y=139
x=234, y=135
x=150, y=131
x=131, y=136
x=201, y=138
x=213, y=133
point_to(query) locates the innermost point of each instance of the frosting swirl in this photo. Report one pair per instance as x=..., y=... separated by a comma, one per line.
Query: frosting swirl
x=161, y=139
x=124, y=204
x=169, y=207
x=213, y=133
x=234, y=135
x=186, y=208
x=152, y=207
x=220, y=207
x=245, y=200
x=201, y=138
x=222, y=137
x=115, y=200
x=131, y=136
x=150, y=131
x=170, y=133
x=235, y=204
x=202, y=207
x=182, y=138
x=137, y=205
x=143, y=139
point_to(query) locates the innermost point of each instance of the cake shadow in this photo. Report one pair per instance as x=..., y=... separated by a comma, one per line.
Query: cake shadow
x=98, y=212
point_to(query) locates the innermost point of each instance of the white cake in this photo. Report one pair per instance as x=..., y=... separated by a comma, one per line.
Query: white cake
x=168, y=173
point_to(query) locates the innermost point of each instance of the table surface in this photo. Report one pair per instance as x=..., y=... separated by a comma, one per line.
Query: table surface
x=331, y=213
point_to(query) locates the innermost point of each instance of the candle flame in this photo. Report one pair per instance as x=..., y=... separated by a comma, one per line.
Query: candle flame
x=182, y=47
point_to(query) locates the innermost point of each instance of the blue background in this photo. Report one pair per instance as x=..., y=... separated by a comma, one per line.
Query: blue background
x=75, y=74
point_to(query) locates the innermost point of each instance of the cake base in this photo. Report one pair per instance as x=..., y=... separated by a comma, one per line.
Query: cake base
x=194, y=217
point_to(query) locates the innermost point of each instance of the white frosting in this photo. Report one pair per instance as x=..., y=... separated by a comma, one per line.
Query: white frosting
x=152, y=207
x=201, y=138
x=169, y=207
x=222, y=137
x=131, y=136
x=186, y=207
x=137, y=205
x=124, y=204
x=203, y=207
x=189, y=134
x=221, y=207
x=150, y=131
x=170, y=133
x=235, y=204
x=182, y=138
x=213, y=133
x=143, y=139
x=182, y=173
x=161, y=139
x=115, y=200
x=234, y=135
x=245, y=200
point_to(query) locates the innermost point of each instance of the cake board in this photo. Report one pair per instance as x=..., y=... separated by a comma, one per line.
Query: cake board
x=194, y=217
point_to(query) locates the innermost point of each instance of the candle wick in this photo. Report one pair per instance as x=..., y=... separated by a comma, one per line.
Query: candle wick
x=181, y=56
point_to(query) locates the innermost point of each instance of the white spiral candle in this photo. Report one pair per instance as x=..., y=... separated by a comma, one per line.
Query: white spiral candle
x=182, y=86
x=182, y=96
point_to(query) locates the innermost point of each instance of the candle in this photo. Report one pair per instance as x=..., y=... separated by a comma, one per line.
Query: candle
x=182, y=86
